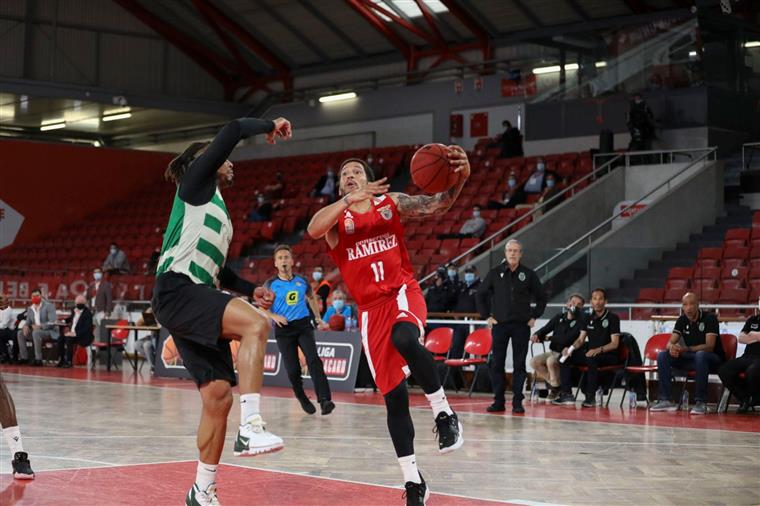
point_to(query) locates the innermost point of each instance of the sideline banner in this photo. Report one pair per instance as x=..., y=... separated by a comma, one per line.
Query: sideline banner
x=340, y=352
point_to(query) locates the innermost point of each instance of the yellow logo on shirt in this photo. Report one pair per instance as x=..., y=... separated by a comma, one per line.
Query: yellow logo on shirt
x=292, y=298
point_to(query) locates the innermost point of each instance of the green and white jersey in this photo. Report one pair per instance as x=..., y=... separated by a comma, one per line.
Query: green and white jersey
x=197, y=239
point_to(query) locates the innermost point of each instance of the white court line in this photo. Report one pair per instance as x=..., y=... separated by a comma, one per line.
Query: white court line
x=292, y=473
x=385, y=438
x=422, y=408
x=110, y=465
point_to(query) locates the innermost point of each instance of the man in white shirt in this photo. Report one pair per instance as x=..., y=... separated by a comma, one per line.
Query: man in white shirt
x=8, y=347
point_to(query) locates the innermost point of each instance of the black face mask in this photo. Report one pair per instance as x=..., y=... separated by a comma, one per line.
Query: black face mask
x=81, y=306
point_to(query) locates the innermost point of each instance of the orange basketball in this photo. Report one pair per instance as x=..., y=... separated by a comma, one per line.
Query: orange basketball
x=430, y=169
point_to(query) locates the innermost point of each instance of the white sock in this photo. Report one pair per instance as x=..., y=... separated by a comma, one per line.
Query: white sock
x=205, y=475
x=13, y=436
x=249, y=407
x=439, y=402
x=409, y=468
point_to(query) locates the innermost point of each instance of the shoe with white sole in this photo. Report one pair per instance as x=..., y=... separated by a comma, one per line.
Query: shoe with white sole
x=198, y=497
x=22, y=469
x=253, y=439
x=449, y=432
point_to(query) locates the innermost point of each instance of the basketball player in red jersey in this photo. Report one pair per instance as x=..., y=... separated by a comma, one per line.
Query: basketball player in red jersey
x=365, y=235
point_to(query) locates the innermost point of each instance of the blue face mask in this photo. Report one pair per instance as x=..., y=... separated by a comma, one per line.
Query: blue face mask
x=469, y=277
x=550, y=183
x=451, y=273
x=338, y=304
x=512, y=182
x=316, y=275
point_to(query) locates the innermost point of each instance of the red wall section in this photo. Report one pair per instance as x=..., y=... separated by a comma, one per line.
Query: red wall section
x=55, y=184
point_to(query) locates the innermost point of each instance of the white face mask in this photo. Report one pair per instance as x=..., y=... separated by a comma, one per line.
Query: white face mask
x=476, y=213
x=97, y=275
x=316, y=275
x=540, y=166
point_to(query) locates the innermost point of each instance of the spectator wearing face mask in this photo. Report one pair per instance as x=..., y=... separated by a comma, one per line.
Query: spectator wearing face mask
x=473, y=227
x=514, y=196
x=536, y=183
x=327, y=186
x=466, y=302
x=510, y=141
x=321, y=287
x=79, y=333
x=338, y=306
x=439, y=296
x=100, y=295
x=262, y=211
x=40, y=327
x=550, y=190
x=116, y=262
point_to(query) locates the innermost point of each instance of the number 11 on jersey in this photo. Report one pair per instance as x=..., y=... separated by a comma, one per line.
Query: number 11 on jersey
x=377, y=269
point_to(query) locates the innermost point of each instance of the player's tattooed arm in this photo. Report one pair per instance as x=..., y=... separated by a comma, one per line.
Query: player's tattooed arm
x=412, y=206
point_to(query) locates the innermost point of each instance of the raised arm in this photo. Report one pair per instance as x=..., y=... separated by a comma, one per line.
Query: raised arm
x=323, y=222
x=412, y=206
x=202, y=171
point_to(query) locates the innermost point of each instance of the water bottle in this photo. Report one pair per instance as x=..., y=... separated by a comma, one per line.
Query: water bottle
x=685, y=400
x=632, y=400
x=534, y=394
x=599, y=396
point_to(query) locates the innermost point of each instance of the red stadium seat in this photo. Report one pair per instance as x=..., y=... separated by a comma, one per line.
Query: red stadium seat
x=737, y=236
x=739, y=273
x=438, y=342
x=655, y=344
x=677, y=284
x=478, y=347
x=653, y=295
x=734, y=296
x=710, y=253
x=741, y=253
x=699, y=285
x=681, y=273
x=710, y=273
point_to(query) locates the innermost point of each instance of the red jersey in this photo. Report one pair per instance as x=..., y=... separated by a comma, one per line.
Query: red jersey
x=371, y=254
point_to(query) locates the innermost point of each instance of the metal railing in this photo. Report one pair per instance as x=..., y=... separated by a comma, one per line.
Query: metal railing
x=588, y=237
x=538, y=208
x=752, y=147
x=654, y=157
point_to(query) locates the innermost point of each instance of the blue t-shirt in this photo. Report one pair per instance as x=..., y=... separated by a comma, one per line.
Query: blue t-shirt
x=346, y=312
x=290, y=297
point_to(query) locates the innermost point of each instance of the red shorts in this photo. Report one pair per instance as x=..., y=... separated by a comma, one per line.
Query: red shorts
x=387, y=365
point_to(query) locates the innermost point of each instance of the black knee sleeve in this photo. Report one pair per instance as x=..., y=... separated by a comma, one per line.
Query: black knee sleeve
x=400, y=424
x=405, y=338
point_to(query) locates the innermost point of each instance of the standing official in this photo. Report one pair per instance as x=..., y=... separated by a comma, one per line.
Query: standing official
x=295, y=329
x=504, y=299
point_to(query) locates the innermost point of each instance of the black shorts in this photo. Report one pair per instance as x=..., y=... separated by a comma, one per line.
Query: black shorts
x=193, y=315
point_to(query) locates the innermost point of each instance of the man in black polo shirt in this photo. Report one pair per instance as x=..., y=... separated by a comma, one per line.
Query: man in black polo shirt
x=602, y=329
x=564, y=329
x=504, y=299
x=747, y=390
x=694, y=346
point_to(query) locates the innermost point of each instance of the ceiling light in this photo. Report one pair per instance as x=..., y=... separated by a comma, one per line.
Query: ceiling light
x=115, y=117
x=96, y=143
x=409, y=7
x=118, y=110
x=752, y=43
x=52, y=126
x=692, y=54
x=600, y=64
x=554, y=68
x=337, y=97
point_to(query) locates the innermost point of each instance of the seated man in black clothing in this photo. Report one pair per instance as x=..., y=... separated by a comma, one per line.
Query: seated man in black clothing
x=694, y=346
x=79, y=333
x=564, y=329
x=603, y=331
x=747, y=389
x=512, y=197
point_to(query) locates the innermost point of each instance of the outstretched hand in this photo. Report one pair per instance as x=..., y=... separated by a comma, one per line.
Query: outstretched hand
x=282, y=129
x=379, y=187
x=458, y=161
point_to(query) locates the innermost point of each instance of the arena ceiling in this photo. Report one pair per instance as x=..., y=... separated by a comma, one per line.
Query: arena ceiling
x=255, y=48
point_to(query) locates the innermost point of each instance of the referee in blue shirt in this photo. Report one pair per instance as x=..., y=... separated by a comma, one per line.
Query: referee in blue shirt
x=294, y=308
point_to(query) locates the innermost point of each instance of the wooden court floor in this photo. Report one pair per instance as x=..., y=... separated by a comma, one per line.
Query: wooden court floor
x=101, y=438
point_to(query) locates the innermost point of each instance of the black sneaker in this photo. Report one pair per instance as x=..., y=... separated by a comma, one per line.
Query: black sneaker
x=327, y=406
x=518, y=409
x=416, y=494
x=564, y=400
x=449, y=432
x=22, y=469
x=496, y=408
x=307, y=405
x=588, y=403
